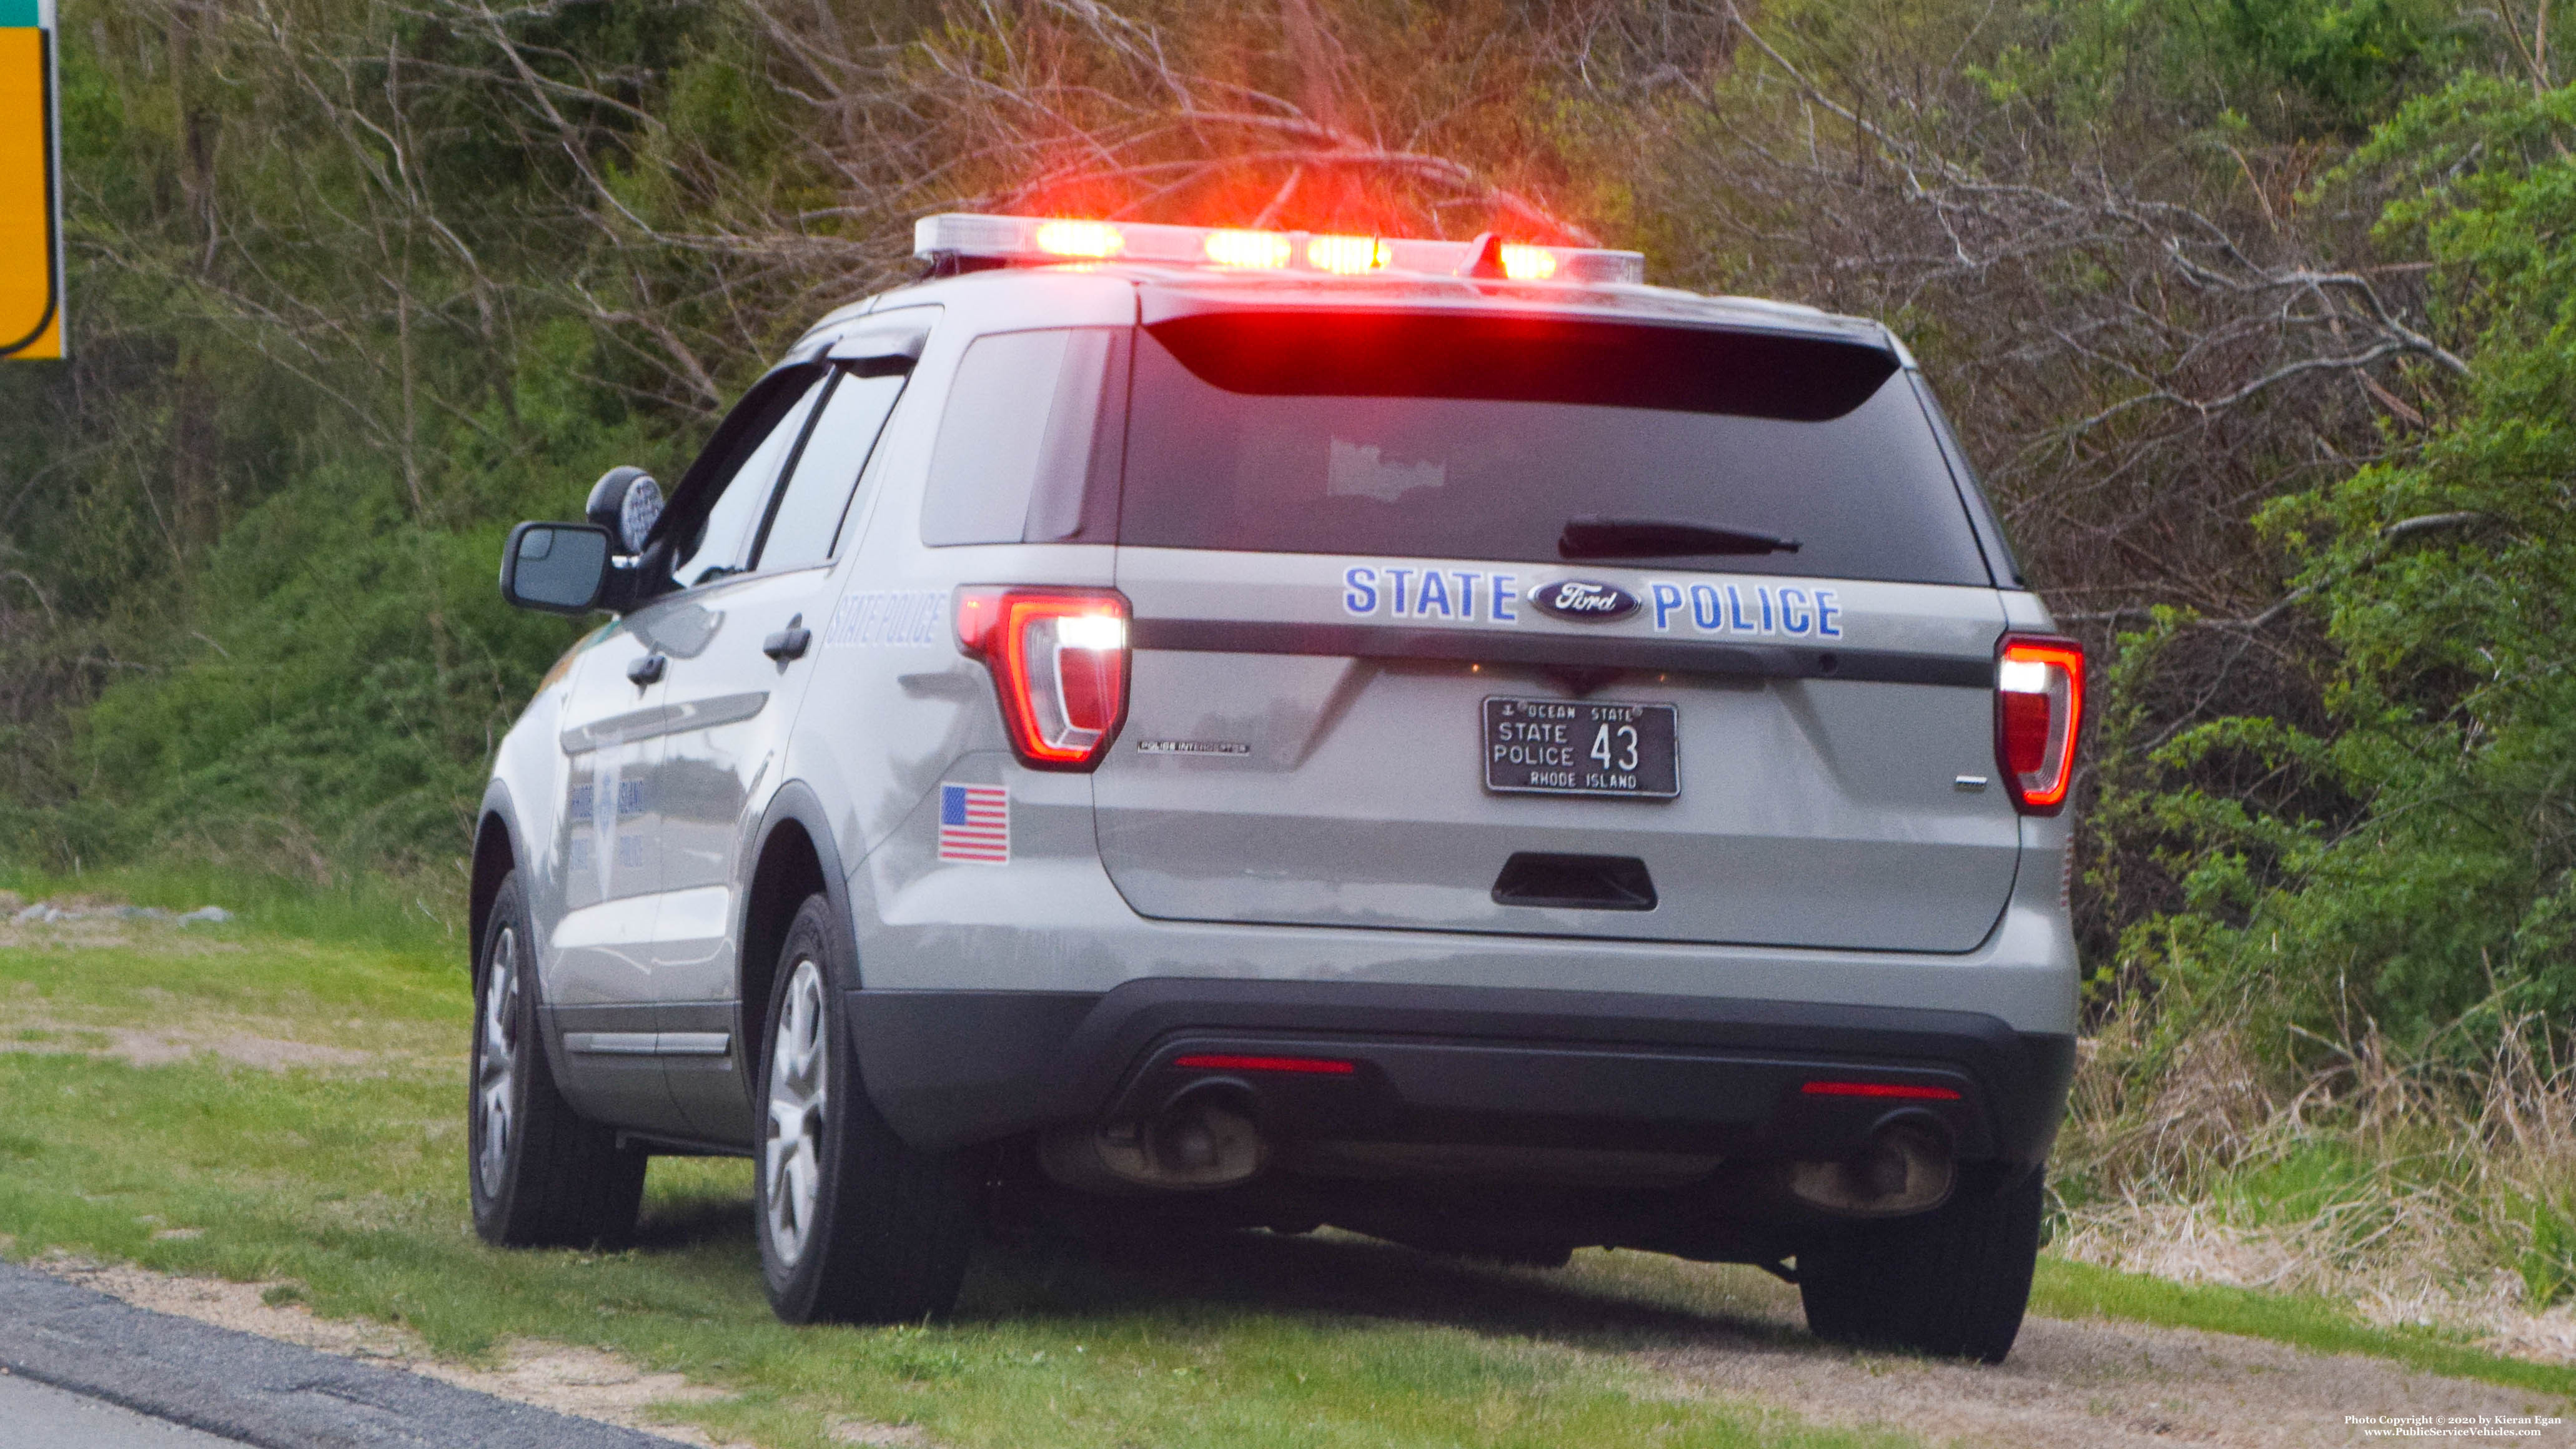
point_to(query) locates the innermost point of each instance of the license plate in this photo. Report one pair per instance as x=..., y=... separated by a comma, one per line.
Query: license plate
x=1580, y=747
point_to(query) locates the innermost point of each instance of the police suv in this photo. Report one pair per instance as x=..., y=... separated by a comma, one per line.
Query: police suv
x=1267, y=729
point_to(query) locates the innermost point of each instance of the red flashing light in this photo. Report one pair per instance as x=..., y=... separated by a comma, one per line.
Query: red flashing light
x=1226, y=1062
x=1902, y=1091
x=2039, y=712
x=1059, y=660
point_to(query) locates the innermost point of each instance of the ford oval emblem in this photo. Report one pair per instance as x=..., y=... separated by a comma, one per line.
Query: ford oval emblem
x=1584, y=601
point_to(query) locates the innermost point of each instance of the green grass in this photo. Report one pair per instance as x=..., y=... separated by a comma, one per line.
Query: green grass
x=2081, y=1290
x=423, y=919
x=345, y=1185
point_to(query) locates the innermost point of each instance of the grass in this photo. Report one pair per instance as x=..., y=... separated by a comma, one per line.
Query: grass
x=2067, y=1289
x=422, y=919
x=344, y=1185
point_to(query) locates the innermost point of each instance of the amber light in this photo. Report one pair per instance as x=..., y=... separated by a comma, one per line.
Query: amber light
x=1227, y=1062
x=1528, y=264
x=1348, y=254
x=1059, y=661
x=1247, y=248
x=1904, y=1091
x=1080, y=239
x=2039, y=715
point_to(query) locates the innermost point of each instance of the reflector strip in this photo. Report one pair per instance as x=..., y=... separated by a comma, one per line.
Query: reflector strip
x=1223, y=1062
x=1905, y=1090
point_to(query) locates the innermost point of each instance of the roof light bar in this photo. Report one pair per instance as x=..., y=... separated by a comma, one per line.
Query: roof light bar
x=1044, y=239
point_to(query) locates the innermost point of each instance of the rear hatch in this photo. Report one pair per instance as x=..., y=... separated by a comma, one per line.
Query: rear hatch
x=1467, y=622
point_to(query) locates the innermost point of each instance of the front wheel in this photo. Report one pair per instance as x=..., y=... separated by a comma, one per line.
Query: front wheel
x=855, y=1226
x=540, y=1174
x=1953, y=1282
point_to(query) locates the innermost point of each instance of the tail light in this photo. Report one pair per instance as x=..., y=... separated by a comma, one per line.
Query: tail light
x=2039, y=707
x=1059, y=662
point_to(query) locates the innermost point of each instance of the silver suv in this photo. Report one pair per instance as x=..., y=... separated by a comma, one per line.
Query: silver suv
x=1252, y=729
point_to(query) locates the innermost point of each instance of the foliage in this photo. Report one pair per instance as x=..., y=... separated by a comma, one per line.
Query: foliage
x=2407, y=860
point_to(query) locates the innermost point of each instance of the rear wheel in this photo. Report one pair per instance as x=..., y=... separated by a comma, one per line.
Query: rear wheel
x=855, y=1226
x=1953, y=1281
x=542, y=1176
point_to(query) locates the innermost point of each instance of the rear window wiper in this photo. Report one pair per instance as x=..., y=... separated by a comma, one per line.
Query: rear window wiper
x=1661, y=538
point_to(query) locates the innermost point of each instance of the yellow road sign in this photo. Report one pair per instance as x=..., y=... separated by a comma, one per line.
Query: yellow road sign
x=31, y=247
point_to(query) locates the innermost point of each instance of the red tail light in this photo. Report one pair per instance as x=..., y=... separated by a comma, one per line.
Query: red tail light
x=1059, y=661
x=2039, y=708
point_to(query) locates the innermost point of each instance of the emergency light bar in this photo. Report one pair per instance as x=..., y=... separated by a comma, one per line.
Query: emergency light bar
x=1040, y=239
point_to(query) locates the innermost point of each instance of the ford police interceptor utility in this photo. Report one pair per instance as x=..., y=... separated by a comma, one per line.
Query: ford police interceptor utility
x=1251, y=729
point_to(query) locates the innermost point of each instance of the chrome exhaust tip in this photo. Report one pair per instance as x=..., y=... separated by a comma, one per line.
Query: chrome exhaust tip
x=1906, y=1166
x=1203, y=1138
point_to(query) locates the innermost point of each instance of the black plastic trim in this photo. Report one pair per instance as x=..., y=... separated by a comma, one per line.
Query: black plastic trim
x=631, y=1092
x=948, y=1068
x=1590, y=651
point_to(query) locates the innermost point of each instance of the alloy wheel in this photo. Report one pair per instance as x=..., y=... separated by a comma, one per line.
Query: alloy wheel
x=497, y=1063
x=792, y=1158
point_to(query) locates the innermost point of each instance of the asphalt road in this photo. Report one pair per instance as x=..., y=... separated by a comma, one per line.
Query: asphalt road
x=39, y=1416
x=84, y=1371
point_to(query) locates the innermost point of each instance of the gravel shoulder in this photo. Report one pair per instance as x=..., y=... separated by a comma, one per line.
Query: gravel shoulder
x=2087, y=1382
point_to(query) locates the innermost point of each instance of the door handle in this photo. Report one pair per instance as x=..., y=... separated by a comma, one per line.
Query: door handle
x=647, y=670
x=790, y=642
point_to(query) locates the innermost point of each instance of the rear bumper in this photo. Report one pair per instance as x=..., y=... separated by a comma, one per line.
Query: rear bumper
x=1452, y=1064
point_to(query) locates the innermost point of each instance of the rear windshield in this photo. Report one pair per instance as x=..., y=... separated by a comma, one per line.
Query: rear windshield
x=1481, y=437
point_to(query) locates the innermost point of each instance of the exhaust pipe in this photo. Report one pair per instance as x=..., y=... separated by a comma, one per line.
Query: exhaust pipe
x=1203, y=1138
x=1906, y=1166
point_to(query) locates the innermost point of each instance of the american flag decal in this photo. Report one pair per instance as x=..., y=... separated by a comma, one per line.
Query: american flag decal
x=975, y=824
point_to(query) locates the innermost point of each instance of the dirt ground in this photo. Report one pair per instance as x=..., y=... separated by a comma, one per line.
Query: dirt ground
x=2091, y=1383
x=2087, y=1384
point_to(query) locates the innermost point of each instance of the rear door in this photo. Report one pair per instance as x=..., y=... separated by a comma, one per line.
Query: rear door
x=731, y=702
x=1370, y=689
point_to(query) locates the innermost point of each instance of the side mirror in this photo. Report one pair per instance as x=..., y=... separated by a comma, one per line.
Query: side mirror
x=559, y=567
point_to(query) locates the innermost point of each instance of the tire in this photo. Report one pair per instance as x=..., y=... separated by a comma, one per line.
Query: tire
x=541, y=1176
x=1951, y=1282
x=854, y=1226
